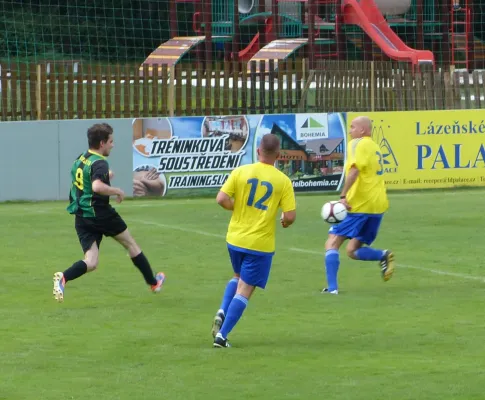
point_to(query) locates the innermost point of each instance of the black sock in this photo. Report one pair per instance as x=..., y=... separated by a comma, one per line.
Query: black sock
x=143, y=265
x=77, y=269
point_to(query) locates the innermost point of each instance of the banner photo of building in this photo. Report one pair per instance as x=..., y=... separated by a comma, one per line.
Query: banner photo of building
x=191, y=155
x=312, y=148
x=430, y=149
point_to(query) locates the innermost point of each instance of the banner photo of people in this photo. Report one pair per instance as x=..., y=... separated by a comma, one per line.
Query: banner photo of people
x=184, y=156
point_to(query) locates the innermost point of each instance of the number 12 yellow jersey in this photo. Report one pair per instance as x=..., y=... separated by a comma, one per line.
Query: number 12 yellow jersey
x=259, y=190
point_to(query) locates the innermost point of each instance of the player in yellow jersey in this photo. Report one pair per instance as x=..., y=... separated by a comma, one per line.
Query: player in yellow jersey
x=364, y=195
x=254, y=193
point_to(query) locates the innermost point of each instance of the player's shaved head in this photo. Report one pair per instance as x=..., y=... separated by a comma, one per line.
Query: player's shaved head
x=361, y=126
x=270, y=144
x=365, y=123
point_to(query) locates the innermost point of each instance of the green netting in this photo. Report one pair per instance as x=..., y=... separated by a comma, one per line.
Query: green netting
x=82, y=29
x=124, y=31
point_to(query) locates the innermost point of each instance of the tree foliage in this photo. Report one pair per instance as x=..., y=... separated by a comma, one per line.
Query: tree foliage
x=107, y=30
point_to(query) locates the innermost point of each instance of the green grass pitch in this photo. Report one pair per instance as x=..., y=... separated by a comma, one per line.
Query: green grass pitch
x=418, y=336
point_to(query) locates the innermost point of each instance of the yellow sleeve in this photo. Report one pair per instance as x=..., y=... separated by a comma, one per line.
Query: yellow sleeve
x=358, y=154
x=288, y=202
x=229, y=186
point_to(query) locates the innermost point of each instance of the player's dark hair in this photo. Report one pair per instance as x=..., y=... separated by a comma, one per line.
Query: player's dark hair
x=270, y=144
x=98, y=133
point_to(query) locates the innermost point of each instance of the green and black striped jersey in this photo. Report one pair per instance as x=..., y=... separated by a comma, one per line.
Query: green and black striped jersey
x=88, y=168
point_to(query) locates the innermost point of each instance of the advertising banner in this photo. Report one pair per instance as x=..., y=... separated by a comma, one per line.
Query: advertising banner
x=185, y=155
x=430, y=149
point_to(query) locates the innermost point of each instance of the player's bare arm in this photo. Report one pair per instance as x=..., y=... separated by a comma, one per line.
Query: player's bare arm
x=225, y=201
x=106, y=190
x=349, y=181
x=288, y=218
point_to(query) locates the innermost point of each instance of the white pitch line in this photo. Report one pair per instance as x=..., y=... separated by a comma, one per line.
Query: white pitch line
x=432, y=271
x=319, y=253
x=445, y=273
x=294, y=249
x=178, y=228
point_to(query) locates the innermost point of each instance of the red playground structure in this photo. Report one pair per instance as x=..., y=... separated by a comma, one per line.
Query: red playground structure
x=315, y=29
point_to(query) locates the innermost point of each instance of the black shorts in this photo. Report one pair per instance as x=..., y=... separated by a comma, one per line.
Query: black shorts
x=90, y=230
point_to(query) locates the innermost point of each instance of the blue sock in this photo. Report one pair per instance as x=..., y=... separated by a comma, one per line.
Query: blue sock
x=229, y=294
x=332, y=263
x=234, y=312
x=368, y=254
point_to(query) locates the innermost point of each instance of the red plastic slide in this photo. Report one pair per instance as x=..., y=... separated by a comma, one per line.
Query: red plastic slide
x=253, y=47
x=366, y=14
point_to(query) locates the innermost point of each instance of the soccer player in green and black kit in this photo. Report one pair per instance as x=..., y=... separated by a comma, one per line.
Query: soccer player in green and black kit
x=95, y=217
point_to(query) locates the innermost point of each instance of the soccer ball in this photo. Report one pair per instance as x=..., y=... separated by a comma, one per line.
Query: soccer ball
x=333, y=212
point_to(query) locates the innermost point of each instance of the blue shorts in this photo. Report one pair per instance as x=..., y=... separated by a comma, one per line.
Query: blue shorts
x=252, y=266
x=363, y=227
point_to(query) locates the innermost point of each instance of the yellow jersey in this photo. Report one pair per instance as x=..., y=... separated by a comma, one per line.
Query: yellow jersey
x=258, y=190
x=368, y=193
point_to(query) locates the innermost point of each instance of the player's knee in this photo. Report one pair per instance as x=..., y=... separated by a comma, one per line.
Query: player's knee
x=332, y=243
x=245, y=289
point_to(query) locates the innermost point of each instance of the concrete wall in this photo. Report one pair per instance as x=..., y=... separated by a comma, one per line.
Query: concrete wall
x=37, y=157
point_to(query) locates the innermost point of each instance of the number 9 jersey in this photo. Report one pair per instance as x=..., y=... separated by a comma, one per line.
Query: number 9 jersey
x=259, y=190
x=88, y=168
x=368, y=194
